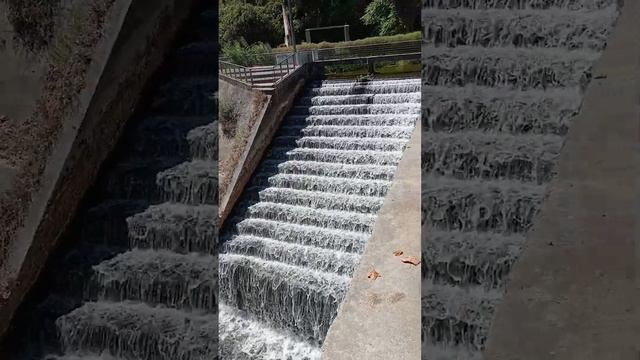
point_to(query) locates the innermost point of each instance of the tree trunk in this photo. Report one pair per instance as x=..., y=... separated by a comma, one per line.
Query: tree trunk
x=287, y=31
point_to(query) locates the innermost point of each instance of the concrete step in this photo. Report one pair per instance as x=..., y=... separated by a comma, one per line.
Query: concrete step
x=183, y=281
x=517, y=69
x=535, y=111
x=469, y=258
x=177, y=227
x=473, y=154
x=458, y=317
x=325, y=260
x=500, y=206
x=193, y=182
x=341, y=240
x=139, y=331
x=519, y=28
x=300, y=299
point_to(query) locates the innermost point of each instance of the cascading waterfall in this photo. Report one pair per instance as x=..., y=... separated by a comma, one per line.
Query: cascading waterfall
x=501, y=81
x=295, y=238
x=141, y=281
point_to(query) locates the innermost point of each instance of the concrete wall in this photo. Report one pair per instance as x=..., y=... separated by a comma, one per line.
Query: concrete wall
x=137, y=35
x=249, y=106
x=20, y=85
x=278, y=104
x=575, y=290
x=381, y=319
x=20, y=73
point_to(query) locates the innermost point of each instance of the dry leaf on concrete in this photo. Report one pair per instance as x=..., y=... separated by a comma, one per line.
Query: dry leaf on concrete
x=410, y=260
x=373, y=275
x=398, y=253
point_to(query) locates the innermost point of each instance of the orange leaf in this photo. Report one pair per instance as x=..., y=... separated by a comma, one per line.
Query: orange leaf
x=411, y=260
x=373, y=275
x=398, y=253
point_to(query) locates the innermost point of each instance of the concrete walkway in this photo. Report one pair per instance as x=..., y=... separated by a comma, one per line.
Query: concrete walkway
x=574, y=293
x=380, y=319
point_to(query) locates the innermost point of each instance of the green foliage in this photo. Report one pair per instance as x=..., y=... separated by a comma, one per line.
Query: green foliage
x=254, y=21
x=261, y=20
x=416, y=35
x=241, y=53
x=383, y=16
x=228, y=114
x=317, y=13
x=382, y=69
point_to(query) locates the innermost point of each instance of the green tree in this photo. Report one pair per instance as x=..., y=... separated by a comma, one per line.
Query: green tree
x=258, y=21
x=241, y=53
x=317, y=13
x=382, y=15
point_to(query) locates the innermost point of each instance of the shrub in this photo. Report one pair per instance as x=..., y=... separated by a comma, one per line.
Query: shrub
x=254, y=22
x=416, y=35
x=241, y=53
x=228, y=115
x=383, y=16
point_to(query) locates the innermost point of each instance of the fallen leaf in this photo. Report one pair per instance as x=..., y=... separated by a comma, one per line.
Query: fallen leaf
x=398, y=253
x=373, y=275
x=410, y=260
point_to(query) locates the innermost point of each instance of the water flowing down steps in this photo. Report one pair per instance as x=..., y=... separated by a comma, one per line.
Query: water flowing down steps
x=501, y=80
x=296, y=236
x=140, y=282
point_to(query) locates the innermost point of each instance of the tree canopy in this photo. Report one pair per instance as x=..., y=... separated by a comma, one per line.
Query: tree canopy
x=257, y=21
x=261, y=20
x=383, y=16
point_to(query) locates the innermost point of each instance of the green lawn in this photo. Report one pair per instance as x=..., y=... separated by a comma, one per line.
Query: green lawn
x=416, y=35
x=382, y=69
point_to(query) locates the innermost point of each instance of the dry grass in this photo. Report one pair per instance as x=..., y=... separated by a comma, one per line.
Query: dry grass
x=228, y=115
x=240, y=141
x=26, y=144
x=33, y=21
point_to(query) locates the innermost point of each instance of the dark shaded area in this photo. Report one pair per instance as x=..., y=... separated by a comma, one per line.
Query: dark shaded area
x=125, y=186
x=33, y=21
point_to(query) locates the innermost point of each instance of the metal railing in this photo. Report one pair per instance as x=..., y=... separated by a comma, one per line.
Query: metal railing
x=271, y=68
x=254, y=75
x=238, y=72
x=285, y=66
x=369, y=50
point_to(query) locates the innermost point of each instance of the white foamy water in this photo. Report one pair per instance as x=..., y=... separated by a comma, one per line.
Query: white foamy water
x=156, y=298
x=307, y=215
x=502, y=80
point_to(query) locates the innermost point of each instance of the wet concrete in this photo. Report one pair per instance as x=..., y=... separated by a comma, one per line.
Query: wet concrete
x=574, y=291
x=380, y=319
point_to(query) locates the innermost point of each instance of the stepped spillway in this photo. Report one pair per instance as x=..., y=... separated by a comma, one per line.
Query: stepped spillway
x=140, y=278
x=296, y=236
x=501, y=80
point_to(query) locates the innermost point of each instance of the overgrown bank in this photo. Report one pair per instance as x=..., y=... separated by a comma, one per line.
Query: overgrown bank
x=25, y=144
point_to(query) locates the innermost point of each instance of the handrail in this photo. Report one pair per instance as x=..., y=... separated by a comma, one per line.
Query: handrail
x=251, y=76
x=286, y=62
x=248, y=75
x=336, y=53
x=238, y=72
